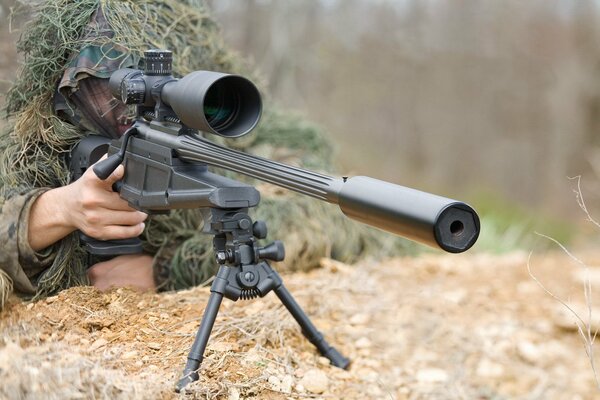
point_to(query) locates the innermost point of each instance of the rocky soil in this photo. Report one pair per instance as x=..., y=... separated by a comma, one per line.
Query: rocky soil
x=436, y=326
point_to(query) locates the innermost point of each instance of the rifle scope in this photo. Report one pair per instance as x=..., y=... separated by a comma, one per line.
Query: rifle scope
x=223, y=104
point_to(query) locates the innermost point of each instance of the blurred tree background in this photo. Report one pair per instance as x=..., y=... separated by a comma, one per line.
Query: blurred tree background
x=495, y=102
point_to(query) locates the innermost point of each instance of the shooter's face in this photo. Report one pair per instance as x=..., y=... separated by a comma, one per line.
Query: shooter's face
x=109, y=115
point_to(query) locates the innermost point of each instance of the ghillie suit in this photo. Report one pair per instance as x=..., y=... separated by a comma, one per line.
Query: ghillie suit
x=33, y=149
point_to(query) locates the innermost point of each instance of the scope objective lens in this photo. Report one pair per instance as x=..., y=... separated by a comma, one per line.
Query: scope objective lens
x=221, y=105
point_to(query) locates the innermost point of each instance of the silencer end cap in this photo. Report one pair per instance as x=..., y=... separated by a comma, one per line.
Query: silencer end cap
x=457, y=228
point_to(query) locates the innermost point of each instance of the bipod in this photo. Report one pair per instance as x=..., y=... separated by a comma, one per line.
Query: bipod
x=244, y=273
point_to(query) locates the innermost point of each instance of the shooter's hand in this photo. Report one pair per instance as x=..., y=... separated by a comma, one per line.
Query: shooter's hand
x=99, y=212
x=88, y=204
x=133, y=270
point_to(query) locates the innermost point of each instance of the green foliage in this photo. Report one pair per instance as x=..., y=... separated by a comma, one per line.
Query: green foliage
x=506, y=226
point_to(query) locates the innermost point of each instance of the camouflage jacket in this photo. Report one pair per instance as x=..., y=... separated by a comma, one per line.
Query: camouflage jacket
x=17, y=259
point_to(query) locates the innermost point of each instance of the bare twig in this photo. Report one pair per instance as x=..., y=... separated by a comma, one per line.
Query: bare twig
x=584, y=327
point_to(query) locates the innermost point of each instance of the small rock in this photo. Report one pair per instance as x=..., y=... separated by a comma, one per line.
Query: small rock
x=489, y=369
x=153, y=345
x=300, y=388
x=29, y=306
x=315, y=381
x=286, y=384
x=432, y=375
x=529, y=352
x=360, y=319
x=98, y=344
x=129, y=355
x=275, y=383
x=323, y=361
x=51, y=300
x=363, y=343
x=234, y=393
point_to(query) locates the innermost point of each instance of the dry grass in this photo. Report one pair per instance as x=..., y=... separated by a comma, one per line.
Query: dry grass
x=584, y=322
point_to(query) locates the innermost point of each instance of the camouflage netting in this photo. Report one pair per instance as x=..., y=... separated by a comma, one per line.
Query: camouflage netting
x=32, y=150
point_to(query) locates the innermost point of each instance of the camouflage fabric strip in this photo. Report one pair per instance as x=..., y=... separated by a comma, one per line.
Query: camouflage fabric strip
x=99, y=59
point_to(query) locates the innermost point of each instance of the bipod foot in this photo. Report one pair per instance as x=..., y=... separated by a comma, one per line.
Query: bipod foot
x=309, y=330
x=190, y=372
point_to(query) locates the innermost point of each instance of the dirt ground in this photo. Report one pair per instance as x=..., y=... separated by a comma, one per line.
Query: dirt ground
x=437, y=326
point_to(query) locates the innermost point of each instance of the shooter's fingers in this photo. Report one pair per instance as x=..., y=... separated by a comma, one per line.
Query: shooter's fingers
x=124, y=218
x=115, y=232
x=116, y=176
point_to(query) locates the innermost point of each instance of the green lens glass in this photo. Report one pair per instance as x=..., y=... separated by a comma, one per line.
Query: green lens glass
x=219, y=106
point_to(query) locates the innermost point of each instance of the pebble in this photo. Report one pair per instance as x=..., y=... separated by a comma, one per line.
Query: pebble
x=432, y=375
x=363, y=343
x=489, y=369
x=234, y=394
x=275, y=383
x=286, y=384
x=323, y=361
x=315, y=381
x=98, y=344
x=153, y=345
x=129, y=355
x=529, y=352
x=360, y=319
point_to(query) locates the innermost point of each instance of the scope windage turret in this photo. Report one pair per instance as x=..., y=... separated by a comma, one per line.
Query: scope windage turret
x=213, y=102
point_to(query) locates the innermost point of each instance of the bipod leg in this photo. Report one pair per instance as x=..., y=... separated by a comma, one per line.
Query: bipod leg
x=190, y=372
x=309, y=330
